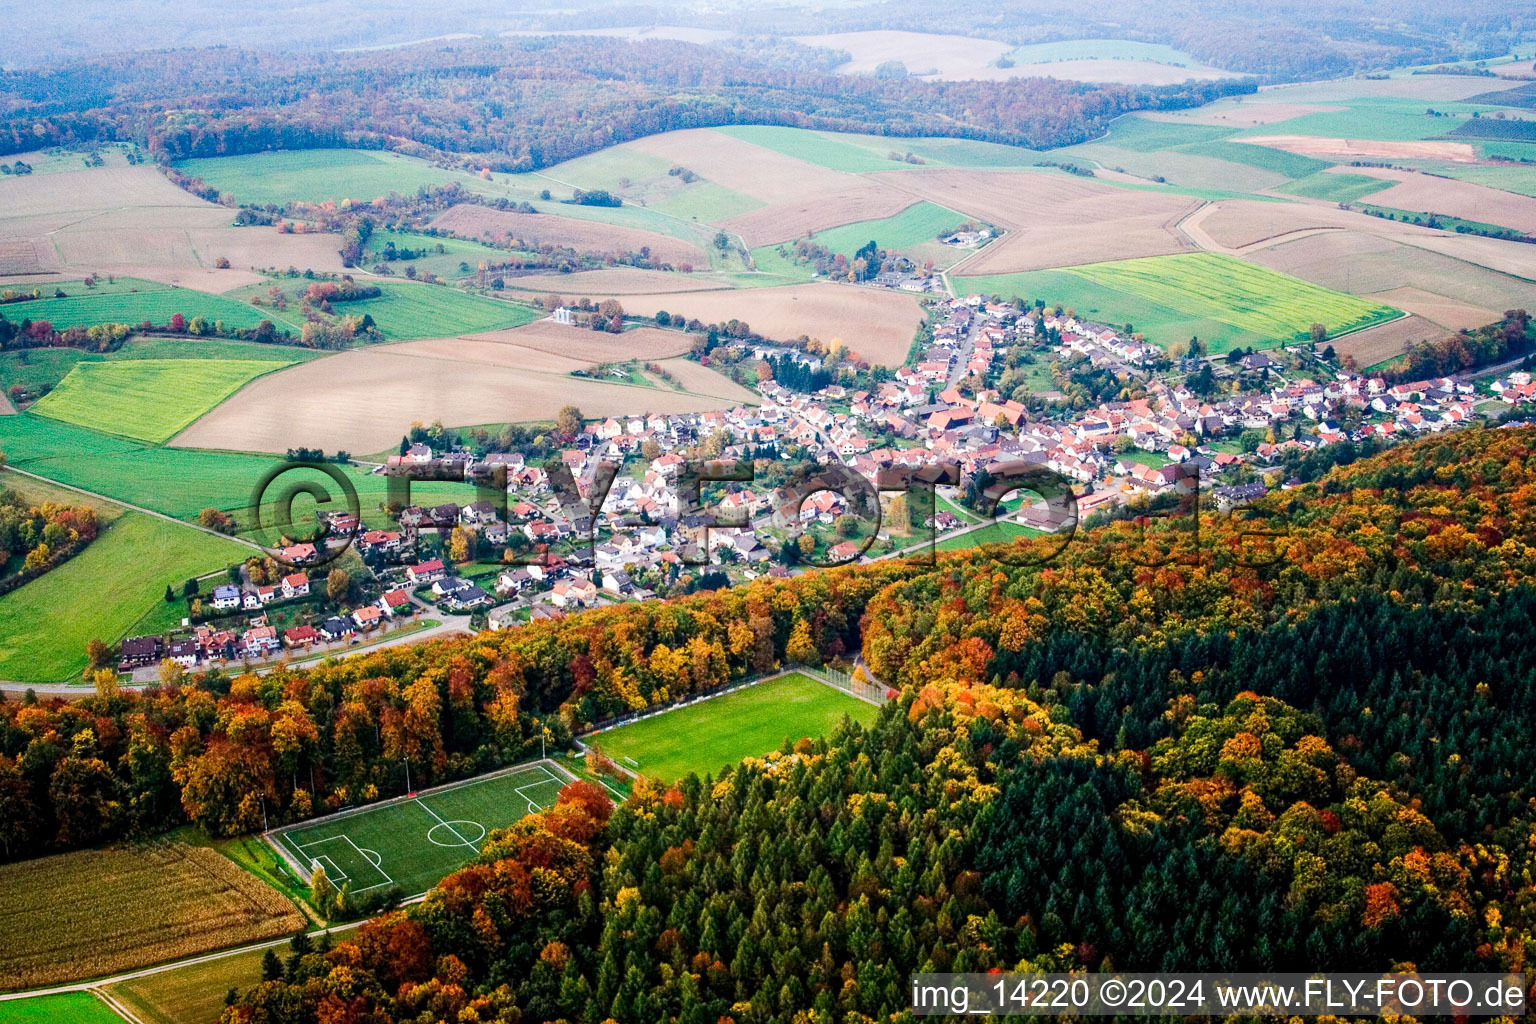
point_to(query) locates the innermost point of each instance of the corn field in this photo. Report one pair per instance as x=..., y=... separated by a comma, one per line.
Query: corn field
x=79, y=915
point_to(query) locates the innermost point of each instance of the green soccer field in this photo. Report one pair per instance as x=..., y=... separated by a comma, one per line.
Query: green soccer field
x=706, y=736
x=415, y=843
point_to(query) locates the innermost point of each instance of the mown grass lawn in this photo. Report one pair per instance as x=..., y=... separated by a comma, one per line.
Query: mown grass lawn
x=415, y=843
x=148, y=399
x=711, y=734
x=98, y=594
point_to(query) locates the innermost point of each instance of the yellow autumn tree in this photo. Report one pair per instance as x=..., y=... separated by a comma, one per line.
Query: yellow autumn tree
x=801, y=648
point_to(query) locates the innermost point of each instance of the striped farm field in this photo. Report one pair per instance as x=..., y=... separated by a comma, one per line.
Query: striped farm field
x=148, y=399
x=1226, y=301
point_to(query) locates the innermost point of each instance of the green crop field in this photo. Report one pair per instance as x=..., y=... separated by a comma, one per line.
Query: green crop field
x=705, y=201
x=1388, y=120
x=315, y=175
x=416, y=842
x=913, y=232
x=147, y=399
x=98, y=594
x=827, y=149
x=1509, y=177
x=407, y=311
x=179, y=482
x=1223, y=300
x=1161, y=325
x=1338, y=188
x=1144, y=135
x=710, y=734
x=905, y=231
x=35, y=367
x=1292, y=165
x=65, y=1008
x=154, y=303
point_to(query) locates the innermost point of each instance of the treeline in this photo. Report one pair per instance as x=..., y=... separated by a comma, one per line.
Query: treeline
x=1465, y=350
x=1117, y=762
x=1163, y=749
x=37, y=538
x=223, y=751
x=520, y=104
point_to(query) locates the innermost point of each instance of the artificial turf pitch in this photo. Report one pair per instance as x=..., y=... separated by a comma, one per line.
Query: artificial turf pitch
x=415, y=842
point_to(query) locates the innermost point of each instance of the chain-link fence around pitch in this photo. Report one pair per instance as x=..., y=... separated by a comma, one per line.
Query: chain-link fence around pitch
x=856, y=683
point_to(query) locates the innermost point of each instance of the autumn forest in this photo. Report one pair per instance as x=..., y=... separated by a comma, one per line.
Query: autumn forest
x=1291, y=739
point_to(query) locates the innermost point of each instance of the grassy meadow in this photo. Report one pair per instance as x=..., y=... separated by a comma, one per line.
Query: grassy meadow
x=910, y=230
x=147, y=399
x=995, y=533
x=1336, y=188
x=36, y=367
x=154, y=304
x=408, y=311
x=316, y=175
x=178, y=482
x=98, y=594
x=707, y=736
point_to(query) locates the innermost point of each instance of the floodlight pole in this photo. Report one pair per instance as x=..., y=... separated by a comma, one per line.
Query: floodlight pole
x=407, y=775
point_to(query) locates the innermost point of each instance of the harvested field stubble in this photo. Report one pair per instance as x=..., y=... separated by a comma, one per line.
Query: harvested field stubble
x=614, y=281
x=94, y=912
x=1370, y=265
x=1053, y=220
x=1309, y=145
x=787, y=221
x=876, y=323
x=1430, y=193
x=1387, y=341
x=743, y=167
x=370, y=397
x=476, y=222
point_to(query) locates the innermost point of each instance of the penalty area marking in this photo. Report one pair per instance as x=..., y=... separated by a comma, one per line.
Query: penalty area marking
x=369, y=857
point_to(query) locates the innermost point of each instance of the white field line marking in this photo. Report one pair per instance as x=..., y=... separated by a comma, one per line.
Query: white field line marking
x=335, y=873
x=449, y=827
x=533, y=808
x=360, y=853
